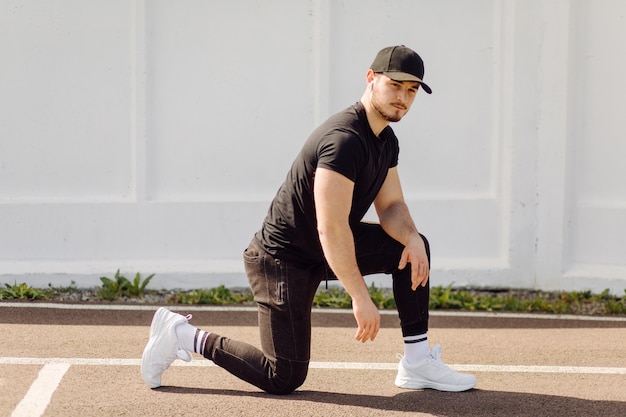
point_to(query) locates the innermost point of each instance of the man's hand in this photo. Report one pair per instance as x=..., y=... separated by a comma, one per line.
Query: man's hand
x=367, y=318
x=415, y=254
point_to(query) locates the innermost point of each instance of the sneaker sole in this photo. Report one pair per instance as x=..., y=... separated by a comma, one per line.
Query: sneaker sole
x=434, y=385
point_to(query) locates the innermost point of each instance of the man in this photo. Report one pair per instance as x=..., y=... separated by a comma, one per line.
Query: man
x=313, y=231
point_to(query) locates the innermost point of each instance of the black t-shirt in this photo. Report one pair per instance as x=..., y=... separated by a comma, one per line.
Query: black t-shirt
x=345, y=144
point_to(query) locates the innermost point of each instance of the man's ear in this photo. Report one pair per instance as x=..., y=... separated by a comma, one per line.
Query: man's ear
x=370, y=76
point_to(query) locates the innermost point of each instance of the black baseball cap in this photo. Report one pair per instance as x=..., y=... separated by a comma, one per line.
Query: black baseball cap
x=400, y=64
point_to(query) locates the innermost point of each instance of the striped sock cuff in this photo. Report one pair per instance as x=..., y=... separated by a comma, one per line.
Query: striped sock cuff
x=199, y=341
x=415, y=339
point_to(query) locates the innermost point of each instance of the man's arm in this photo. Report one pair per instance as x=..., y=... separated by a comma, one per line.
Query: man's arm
x=396, y=220
x=333, y=201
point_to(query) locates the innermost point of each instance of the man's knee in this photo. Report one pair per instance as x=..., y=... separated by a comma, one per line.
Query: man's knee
x=283, y=383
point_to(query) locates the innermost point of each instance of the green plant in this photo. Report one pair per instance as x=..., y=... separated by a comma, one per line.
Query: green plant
x=616, y=306
x=443, y=298
x=120, y=286
x=23, y=292
x=383, y=299
x=575, y=302
x=335, y=297
x=214, y=296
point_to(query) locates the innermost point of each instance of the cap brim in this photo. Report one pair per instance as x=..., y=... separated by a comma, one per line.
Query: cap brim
x=403, y=76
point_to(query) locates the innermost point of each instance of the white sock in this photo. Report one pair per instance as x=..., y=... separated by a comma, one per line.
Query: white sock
x=191, y=338
x=416, y=348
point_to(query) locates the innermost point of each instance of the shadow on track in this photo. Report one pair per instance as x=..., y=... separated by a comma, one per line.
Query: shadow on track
x=470, y=403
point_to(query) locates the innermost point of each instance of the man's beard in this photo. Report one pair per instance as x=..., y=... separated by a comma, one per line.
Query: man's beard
x=388, y=116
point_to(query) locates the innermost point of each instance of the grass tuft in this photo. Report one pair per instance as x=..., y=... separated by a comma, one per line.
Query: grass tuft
x=214, y=296
x=120, y=286
x=23, y=292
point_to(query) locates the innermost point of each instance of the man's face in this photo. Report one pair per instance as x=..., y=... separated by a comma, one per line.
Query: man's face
x=392, y=99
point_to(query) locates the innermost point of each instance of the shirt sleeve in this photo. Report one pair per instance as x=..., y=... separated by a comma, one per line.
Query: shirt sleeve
x=394, y=146
x=341, y=152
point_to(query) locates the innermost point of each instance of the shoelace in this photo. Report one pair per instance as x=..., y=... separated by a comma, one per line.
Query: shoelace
x=435, y=352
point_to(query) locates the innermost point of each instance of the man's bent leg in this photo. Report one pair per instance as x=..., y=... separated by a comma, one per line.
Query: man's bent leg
x=284, y=295
x=377, y=252
x=412, y=305
x=420, y=367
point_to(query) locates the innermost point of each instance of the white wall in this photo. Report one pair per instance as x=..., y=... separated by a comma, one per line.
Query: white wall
x=151, y=135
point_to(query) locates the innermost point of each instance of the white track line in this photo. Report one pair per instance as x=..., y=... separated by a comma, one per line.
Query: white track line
x=38, y=396
x=326, y=365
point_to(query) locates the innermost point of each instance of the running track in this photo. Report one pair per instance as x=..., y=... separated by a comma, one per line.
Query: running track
x=73, y=360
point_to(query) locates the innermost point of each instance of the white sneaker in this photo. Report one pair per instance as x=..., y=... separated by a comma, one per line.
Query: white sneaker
x=432, y=373
x=163, y=346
